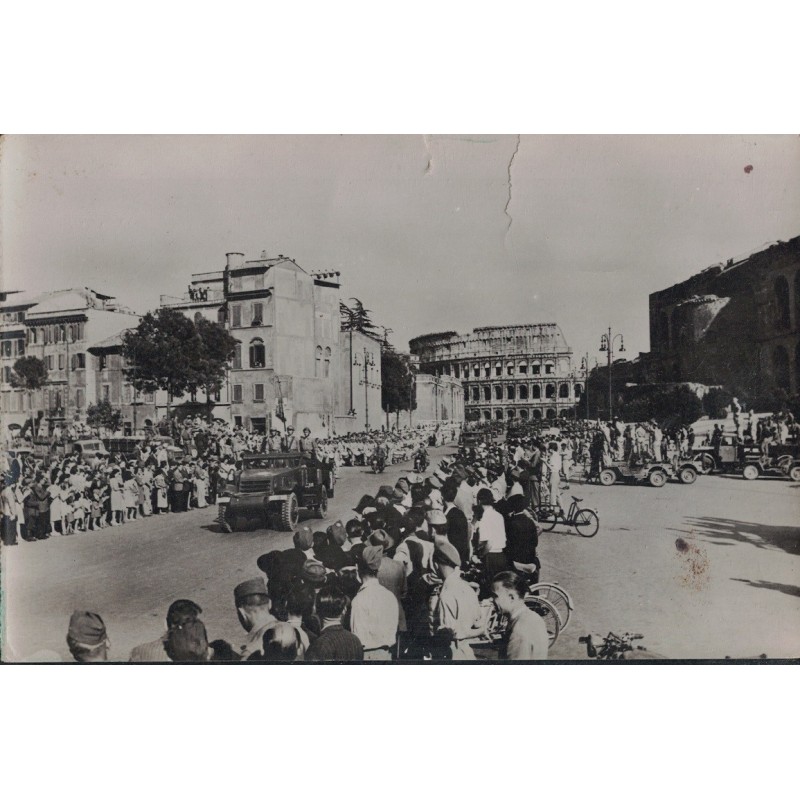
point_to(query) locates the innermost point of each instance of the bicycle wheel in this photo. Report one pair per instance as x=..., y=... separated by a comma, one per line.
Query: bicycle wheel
x=547, y=517
x=586, y=522
x=557, y=597
x=494, y=624
x=547, y=611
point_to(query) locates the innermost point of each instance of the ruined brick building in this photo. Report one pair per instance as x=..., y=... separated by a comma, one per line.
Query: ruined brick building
x=733, y=324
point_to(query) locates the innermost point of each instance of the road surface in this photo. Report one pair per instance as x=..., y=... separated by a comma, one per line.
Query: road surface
x=702, y=571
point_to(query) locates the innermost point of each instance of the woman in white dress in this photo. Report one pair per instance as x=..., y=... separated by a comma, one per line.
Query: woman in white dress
x=115, y=485
x=56, y=508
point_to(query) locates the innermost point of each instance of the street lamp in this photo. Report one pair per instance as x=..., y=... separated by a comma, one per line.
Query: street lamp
x=607, y=345
x=585, y=370
x=369, y=361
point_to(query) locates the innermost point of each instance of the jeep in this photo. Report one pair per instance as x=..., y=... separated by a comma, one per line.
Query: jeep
x=271, y=488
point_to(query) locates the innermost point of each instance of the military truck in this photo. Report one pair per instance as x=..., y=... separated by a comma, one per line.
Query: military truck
x=271, y=489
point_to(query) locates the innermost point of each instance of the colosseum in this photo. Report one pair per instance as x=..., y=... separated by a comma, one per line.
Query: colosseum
x=507, y=371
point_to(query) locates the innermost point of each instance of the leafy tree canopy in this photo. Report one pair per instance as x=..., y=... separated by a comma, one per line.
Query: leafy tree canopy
x=29, y=373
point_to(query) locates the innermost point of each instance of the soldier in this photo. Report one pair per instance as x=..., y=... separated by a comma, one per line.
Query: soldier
x=86, y=637
x=306, y=444
x=290, y=442
x=273, y=443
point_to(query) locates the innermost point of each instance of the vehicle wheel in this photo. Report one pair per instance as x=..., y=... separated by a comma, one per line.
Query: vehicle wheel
x=750, y=472
x=707, y=463
x=794, y=473
x=547, y=611
x=608, y=477
x=322, y=508
x=557, y=597
x=587, y=523
x=657, y=478
x=547, y=517
x=687, y=475
x=290, y=513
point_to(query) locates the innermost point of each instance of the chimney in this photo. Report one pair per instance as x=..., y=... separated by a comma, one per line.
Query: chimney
x=234, y=260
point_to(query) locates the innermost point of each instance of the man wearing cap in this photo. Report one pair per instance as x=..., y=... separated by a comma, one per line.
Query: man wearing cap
x=333, y=556
x=375, y=613
x=306, y=444
x=273, y=444
x=456, y=614
x=253, y=610
x=86, y=637
x=178, y=613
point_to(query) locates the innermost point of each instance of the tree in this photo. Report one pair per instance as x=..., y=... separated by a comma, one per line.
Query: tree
x=103, y=415
x=397, y=379
x=357, y=318
x=716, y=402
x=163, y=352
x=29, y=373
x=215, y=351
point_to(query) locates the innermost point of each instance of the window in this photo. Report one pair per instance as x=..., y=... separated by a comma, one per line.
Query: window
x=476, y=395
x=549, y=368
x=510, y=368
x=197, y=317
x=551, y=413
x=523, y=392
x=536, y=391
x=102, y=362
x=578, y=391
x=148, y=397
x=487, y=369
x=456, y=371
x=563, y=391
x=50, y=362
x=236, y=316
x=237, y=421
x=537, y=413
x=237, y=356
x=487, y=414
x=487, y=394
x=550, y=390
x=510, y=413
x=6, y=348
x=498, y=392
x=258, y=392
x=498, y=368
x=57, y=398
x=257, y=354
x=33, y=333
x=523, y=413
x=126, y=393
x=510, y=393
x=536, y=368
x=327, y=362
x=498, y=414
x=79, y=361
x=782, y=312
x=236, y=395
x=318, y=363
x=258, y=314
x=61, y=361
x=222, y=315
x=106, y=391
x=446, y=369
x=476, y=369
x=523, y=367
x=6, y=374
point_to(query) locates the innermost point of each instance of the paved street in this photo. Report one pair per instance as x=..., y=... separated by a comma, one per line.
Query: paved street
x=703, y=578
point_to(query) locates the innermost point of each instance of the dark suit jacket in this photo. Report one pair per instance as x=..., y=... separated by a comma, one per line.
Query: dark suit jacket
x=458, y=532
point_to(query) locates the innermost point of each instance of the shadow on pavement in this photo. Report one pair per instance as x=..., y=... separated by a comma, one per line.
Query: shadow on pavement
x=785, y=588
x=727, y=531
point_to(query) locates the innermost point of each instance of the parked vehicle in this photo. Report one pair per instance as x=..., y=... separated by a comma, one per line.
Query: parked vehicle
x=89, y=449
x=653, y=472
x=271, y=489
x=733, y=456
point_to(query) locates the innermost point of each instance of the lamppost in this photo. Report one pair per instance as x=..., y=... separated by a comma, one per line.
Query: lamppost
x=369, y=361
x=607, y=345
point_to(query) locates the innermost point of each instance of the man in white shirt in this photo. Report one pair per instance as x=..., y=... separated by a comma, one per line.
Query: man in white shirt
x=375, y=613
x=490, y=532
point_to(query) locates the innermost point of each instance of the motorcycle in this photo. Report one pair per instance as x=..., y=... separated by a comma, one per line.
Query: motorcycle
x=420, y=462
x=378, y=464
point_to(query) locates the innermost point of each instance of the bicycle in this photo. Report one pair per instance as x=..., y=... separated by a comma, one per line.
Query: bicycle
x=584, y=520
x=495, y=624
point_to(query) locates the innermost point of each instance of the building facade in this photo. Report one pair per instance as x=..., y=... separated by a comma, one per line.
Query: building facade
x=358, y=384
x=439, y=399
x=507, y=372
x=735, y=324
x=59, y=327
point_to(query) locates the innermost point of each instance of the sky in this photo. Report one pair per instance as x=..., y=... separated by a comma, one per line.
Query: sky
x=432, y=233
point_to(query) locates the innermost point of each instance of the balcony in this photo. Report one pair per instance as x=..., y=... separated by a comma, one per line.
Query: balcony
x=201, y=297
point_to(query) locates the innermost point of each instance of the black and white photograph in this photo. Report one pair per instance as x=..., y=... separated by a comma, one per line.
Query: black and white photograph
x=400, y=398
